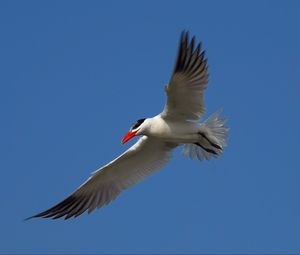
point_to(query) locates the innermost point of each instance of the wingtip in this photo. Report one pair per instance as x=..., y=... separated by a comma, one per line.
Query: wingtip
x=184, y=37
x=39, y=215
x=185, y=31
x=29, y=218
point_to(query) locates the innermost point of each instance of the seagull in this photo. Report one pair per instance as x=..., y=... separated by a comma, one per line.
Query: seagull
x=178, y=124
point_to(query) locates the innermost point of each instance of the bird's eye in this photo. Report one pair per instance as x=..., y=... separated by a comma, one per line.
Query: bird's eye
x=137, y=124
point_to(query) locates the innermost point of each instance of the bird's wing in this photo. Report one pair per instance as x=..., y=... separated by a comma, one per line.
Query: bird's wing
x=139, y=161
x=188, y=82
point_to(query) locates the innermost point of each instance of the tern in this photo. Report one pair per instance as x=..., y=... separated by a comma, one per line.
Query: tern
x=178, y=124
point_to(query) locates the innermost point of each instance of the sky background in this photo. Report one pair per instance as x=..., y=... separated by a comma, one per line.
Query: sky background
x=76, y=74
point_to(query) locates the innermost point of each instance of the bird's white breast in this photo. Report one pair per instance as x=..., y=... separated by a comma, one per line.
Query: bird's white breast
x=173, y=131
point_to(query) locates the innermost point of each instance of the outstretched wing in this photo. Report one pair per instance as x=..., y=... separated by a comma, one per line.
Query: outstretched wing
x=139, y=161
x=188, y=82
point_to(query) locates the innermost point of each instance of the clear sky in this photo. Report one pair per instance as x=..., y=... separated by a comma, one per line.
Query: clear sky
x=75, y=76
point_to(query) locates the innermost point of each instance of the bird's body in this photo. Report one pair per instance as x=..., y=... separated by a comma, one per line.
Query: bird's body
x=178, y=124
x=172, y=130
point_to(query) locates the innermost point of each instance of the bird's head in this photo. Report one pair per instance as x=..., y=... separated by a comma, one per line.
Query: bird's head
x=136, y=129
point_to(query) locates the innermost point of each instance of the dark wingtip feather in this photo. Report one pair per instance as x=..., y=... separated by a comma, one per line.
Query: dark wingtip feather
x=29, y=218
x=189, y=56
x=59, y=210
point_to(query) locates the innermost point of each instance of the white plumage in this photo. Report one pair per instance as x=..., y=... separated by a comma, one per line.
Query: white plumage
x=176, y=125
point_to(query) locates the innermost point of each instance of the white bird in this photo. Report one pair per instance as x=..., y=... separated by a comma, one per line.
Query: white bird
x=178, y=124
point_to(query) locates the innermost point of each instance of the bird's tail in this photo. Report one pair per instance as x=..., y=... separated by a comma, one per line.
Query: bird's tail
x=213, y=135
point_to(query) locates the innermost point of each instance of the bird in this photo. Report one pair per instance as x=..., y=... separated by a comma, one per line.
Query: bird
x=177, y=125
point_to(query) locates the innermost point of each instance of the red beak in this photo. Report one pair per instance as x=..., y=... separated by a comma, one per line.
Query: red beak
x=128, y=136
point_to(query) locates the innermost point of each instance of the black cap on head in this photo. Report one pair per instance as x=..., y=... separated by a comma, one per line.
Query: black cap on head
x=137, y=124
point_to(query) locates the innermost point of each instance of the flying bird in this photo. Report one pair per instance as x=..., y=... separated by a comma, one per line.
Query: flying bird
x=178, y=124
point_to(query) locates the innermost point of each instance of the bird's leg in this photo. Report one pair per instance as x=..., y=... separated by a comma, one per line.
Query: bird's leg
x=209, y=141
x=206, y=149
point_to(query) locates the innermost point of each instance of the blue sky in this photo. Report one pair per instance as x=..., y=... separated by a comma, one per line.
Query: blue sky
x=75, y=75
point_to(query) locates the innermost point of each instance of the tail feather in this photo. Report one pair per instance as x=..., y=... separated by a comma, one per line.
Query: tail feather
x=216, y=132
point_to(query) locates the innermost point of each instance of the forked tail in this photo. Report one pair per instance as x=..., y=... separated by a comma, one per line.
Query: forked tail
x=213, y=135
